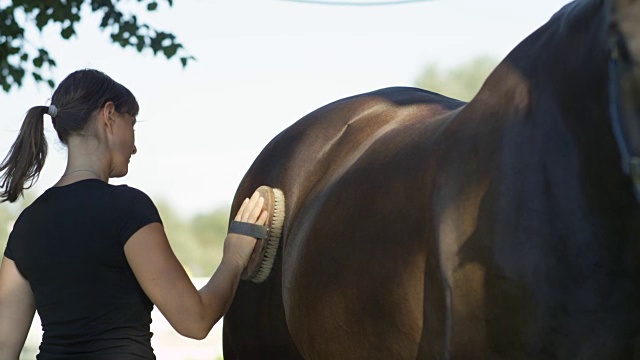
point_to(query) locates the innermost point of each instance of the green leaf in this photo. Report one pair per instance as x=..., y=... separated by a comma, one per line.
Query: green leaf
x=140, y=44
x=152, y=6
x=42, y=19
x=51, y=83
x=67, y=32
x=37, y=62
x=185, y=60
x=104, y=22
x=17, y=74
x=37, y=77
x=171, y=50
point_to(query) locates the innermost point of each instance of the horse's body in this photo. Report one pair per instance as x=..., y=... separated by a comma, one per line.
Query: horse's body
x=418, y=226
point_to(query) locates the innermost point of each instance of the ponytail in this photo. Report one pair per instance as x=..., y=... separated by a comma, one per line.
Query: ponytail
x=26, y=157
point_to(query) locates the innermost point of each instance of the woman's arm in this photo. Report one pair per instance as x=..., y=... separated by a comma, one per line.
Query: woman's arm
x=17, y=307
x=192, y=313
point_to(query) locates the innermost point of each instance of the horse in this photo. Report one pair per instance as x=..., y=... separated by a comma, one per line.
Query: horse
x=422, y=227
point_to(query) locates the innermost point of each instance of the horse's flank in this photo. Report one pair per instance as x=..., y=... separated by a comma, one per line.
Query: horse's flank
x=422, y=227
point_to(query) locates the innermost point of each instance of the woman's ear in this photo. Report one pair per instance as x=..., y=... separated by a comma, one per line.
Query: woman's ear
x=107, y=116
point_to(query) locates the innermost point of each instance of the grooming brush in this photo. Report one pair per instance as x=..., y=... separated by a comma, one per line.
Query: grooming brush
x=265, y=250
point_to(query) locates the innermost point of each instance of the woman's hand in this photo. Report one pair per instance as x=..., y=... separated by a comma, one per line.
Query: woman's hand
x=238, y=248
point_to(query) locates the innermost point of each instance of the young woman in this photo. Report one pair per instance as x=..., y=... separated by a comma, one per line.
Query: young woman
x=93, y=258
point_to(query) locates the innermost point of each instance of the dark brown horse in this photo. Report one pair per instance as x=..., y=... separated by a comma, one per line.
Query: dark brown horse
x=421, y=227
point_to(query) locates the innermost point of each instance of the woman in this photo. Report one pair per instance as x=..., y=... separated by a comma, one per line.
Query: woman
x=93, y=258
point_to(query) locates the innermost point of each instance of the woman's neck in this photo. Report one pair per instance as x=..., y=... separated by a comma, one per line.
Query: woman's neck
x=87, y=159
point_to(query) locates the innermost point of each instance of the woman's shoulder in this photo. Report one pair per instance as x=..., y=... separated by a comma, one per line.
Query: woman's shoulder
x=134, y=208
x=90, y=189
x=126, y=190
x=130, y=196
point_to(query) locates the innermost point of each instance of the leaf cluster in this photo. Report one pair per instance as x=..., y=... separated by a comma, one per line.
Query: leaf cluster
x=19, y=57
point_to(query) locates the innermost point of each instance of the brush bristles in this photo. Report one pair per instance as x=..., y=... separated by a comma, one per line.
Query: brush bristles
x=273, y=239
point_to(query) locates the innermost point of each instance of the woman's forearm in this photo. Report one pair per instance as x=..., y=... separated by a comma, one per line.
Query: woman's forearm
x=216, y=296
x=192, y=313
x=218, y=293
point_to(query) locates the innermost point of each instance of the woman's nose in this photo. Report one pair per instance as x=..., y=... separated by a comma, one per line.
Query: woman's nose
x=135, y=150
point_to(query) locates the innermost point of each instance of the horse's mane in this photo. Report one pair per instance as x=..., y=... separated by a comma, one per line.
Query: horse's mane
x=571, y=44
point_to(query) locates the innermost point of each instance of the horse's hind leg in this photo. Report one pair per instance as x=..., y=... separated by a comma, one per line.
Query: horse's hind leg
x=338, y=307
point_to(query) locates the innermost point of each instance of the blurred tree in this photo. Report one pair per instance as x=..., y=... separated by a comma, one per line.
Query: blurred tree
x=209, y=230
x=197, y=241
x=461, y=82
x=20, y=56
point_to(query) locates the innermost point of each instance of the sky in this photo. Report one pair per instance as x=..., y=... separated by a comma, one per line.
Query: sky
x=261, y=65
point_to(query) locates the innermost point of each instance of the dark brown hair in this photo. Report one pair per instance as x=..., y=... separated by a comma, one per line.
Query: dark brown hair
x=77, y=99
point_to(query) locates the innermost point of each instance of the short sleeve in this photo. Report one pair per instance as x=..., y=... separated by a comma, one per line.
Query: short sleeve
x=134, y=210
x=8, y=252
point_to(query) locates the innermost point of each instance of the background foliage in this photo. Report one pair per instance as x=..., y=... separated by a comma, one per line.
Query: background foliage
x=21, y=55
x=460, y=82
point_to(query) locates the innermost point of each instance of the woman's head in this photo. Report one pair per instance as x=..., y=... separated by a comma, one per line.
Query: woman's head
x=78, y=99
x=81, y=94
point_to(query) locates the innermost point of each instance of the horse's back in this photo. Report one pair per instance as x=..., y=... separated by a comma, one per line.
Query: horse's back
x=354, y=255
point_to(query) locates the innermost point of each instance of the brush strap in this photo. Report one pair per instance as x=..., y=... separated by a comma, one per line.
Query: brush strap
x=249, y=229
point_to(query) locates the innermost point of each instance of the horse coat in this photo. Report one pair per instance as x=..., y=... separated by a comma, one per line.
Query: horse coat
x=422, y=227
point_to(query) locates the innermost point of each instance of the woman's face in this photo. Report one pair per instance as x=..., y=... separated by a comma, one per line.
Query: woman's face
x=123, y=144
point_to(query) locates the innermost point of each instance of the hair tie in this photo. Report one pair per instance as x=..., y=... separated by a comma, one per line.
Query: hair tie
x=53, y=111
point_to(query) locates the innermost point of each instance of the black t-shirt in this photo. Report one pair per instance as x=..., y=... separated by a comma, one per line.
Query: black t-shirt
x=69, y=245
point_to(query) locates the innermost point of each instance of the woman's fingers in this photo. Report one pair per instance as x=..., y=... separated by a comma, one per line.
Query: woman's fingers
x=250, y=205
x=263, y=218
x=242, y=207
x=251, y=210
x=240, y=247
x=255, y=211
